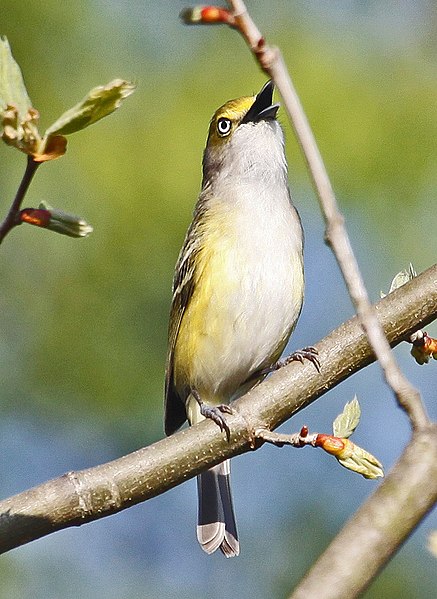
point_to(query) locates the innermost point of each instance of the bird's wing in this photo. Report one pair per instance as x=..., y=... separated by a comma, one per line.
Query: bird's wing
x=183, y=285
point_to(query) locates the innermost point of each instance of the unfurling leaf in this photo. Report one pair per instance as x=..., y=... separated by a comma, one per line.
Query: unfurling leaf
x=401, y=278
x=12, y=89
x=18, y=119
x=346, y=422
x=432, y=543
x=98, y=103
x=56, y=220
x=359, y=460
x=350, y=456
x=66, y=224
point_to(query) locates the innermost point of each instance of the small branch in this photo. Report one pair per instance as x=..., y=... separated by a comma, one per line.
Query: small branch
x=271, y=61
x=298, y=440
x=13, y=217
x=347, y=454
x=84, y=496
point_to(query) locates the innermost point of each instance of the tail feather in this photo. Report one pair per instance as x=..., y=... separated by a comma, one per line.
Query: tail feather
x=230, y=545
x=216, y=526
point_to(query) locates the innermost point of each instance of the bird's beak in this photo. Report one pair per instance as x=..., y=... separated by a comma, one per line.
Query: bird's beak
x=262, y=109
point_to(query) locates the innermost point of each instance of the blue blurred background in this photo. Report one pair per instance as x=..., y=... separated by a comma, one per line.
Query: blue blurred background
x=83, y=323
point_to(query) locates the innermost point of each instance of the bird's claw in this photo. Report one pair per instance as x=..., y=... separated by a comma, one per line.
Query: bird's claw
x=215, y=413
x=307, y=353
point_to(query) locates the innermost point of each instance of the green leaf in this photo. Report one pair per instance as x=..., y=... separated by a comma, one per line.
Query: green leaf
x=359, y=460
x=346, y=422
x=18, y=120
x=432, y=542
x=98, y=103
x=401, y=278
x=12, y=89
x=65, y=223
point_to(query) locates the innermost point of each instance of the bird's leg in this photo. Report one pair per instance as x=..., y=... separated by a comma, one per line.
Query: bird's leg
x=215, y=413
x=307, y=353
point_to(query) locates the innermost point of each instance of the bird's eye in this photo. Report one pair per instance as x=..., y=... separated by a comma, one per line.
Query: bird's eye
x=224, y=127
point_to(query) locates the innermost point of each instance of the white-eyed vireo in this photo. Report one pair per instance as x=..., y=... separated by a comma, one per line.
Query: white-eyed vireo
x=238, y=288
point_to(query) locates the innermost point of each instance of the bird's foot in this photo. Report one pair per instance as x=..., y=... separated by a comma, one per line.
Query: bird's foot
x=307, y=353
x=215, y=413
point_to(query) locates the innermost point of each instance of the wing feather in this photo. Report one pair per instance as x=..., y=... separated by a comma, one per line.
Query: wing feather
x=183, y=285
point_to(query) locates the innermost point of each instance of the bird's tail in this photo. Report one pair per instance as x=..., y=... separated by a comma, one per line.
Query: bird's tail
x=216, y=525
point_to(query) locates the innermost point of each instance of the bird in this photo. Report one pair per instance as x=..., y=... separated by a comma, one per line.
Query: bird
x=238, y=289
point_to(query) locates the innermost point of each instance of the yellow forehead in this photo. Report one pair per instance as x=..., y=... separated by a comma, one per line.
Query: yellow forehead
x=234, y=110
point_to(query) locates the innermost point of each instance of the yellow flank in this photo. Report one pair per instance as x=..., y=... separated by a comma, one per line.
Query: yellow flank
x=207, y=310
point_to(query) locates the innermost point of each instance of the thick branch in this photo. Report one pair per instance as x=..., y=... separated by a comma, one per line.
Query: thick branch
x=80, y=497
x=379, y=527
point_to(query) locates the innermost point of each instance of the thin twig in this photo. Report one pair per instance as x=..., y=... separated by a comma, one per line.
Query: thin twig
x=12, y=219
x=298, y=440
x=271, y=61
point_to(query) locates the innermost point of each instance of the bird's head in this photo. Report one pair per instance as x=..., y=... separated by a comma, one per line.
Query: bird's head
x=240, y=132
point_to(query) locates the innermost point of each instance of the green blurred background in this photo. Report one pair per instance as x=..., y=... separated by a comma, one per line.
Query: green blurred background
x=83, y=322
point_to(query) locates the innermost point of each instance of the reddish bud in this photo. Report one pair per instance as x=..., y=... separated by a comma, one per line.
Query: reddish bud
x=37, y=217
x=304, y=431
x=55, y=147
x=207, y=15
x=331, y=444
x=261, y=43
x=424, y=347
